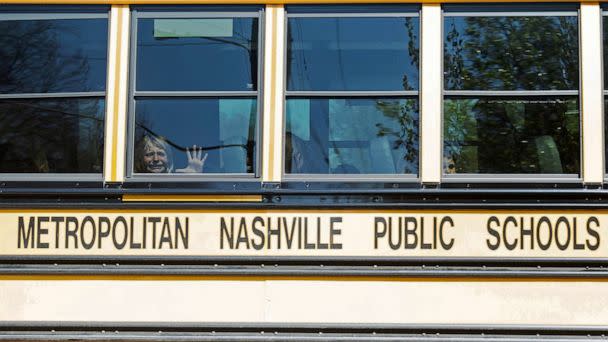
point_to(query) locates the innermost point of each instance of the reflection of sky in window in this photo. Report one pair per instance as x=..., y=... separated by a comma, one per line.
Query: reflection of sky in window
x=198, y=63
x=352, y=54
x=67, y=55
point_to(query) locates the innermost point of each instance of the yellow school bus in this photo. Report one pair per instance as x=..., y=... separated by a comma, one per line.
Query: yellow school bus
x=303, y=170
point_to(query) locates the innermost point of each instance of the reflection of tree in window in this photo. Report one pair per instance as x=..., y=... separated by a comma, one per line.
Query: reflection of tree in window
x=51, y=135
x=406, y=138
x=517, y=134
x=412, y=49
x=404, y=112
x=32, y=59
x=46, y=135
x=511, y=53
x=512, y=135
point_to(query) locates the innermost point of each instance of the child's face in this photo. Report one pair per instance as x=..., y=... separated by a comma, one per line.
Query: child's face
x=155, y=159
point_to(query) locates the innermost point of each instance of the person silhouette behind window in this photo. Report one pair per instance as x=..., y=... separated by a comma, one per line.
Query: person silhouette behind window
x=294, y=152
x=153, y=155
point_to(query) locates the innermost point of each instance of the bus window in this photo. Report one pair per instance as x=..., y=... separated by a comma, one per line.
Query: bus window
x=511, y=77
x=52, y=89
x=195, y=90
x=605, y=38
x=352, y=90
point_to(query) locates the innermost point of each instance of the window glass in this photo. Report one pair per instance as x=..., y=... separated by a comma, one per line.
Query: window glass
x=217, y=134
x=337, y=56
x=507, y=135
x=511, y=78
x=511, y=53
x=352, y=136
x=352, y=54
x=52, y=82
x=194, y=102
x=605, y=37
x=214, y=54
x=51, y=135
x=50, y=56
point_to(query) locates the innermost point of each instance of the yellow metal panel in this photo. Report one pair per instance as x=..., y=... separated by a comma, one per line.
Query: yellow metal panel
x=111, y=100
x=304, y=233
x=272, y=148
x=117, y=93
x=236, y=277
x=431, y=94
x=268, y=2
x=409, y=301
x=592, y=98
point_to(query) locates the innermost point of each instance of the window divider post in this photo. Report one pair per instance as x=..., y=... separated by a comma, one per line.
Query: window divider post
x=431, y=100
x=592, y=98
x=273, y=94
x=117, y=95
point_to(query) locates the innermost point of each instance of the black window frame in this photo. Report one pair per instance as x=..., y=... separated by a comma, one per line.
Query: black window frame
x=193, y=12
x=351, y=11
x=519, y=10
x=604, y=67
x=59, y=12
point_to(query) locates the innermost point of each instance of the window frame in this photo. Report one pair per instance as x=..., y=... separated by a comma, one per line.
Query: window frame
x=350, y=11
x=511, y=178
x=193, y=12
x=61, y=12
x=604, y=15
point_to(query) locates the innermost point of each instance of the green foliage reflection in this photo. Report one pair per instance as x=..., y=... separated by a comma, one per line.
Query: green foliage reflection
x=511, y=53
